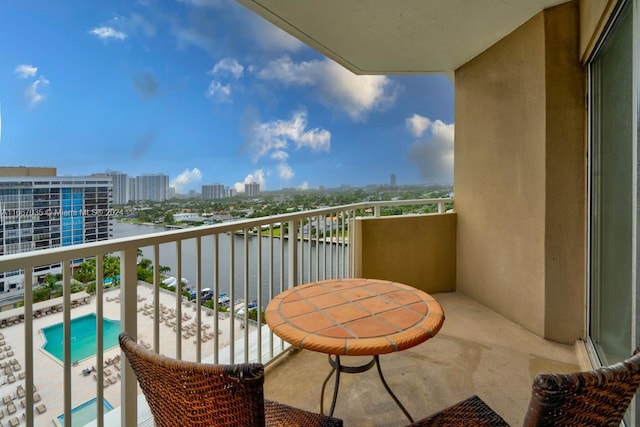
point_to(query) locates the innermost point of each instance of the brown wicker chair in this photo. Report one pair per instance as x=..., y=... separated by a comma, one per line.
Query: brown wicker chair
x=182, y=393
x=594, y=398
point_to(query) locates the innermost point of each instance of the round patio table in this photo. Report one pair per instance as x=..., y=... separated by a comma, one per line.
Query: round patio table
x=354, y=317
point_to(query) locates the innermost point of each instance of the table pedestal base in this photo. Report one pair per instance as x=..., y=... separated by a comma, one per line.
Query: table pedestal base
x=337, y=368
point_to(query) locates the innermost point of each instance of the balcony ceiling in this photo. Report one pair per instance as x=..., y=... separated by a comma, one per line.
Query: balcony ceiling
x=399, y=36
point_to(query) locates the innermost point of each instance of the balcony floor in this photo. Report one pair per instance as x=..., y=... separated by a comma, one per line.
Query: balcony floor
x=476, y=352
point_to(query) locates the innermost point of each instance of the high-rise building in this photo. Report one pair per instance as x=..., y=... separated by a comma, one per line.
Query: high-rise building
x=252, y=189
x=215, y=191
x=393, y=180
x=153, y=187
x=39, y=210
x=132, y=188
x=120, y=187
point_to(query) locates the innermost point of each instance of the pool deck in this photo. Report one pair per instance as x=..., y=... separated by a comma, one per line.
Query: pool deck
x=48, y=371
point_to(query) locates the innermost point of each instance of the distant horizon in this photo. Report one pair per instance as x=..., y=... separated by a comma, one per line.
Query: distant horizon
x=175, y=87
x=338, y=186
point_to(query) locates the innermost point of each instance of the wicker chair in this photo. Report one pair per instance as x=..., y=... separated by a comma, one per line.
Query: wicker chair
x=594, y=398
x=197, y=394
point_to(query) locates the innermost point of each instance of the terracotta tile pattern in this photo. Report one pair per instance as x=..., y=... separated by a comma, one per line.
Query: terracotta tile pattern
x=355, y=317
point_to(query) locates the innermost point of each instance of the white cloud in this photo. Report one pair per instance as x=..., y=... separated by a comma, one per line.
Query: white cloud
x=256, y=176
x=304, y=186
x=335, y=86
x=274, y=140
x=434, y=155
x=279, y=155
x=417, y=125
x=106, y=33
x=272, y=39
x=25, y=71
x=274, y=137
x=33, y=92
x=285, y=172
x=228, y=66
x=219, y=92
x=286, y=71
x=187, y=178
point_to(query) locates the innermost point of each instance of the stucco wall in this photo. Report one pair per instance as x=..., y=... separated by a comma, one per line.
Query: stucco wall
x=519, y=175
x=415, y=250
x=566, y=182
x=593, y=16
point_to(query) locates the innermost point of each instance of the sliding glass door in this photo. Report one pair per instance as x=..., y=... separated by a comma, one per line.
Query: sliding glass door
x=612, y=191
x=614, y=166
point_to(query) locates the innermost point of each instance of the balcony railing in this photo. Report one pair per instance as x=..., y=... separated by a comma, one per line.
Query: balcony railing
x=249, y=260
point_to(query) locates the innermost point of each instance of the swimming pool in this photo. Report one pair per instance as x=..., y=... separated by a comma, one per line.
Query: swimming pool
x=83, y=337
x=85, y=413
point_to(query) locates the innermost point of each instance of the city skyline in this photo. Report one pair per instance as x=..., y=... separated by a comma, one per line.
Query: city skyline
x=207, y=92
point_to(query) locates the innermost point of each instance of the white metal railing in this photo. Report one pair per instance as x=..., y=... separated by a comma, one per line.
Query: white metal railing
x=317, y=245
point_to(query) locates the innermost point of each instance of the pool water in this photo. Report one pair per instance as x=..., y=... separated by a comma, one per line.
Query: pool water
x=83, y=337
x=85, y=413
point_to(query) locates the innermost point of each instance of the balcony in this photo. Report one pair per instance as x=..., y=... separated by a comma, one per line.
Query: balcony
x=476, y=352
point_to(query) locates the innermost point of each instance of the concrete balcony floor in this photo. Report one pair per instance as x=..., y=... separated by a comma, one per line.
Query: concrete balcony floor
x=476, y=352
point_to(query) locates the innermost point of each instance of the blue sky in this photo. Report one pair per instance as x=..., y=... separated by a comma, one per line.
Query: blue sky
x=206, y=92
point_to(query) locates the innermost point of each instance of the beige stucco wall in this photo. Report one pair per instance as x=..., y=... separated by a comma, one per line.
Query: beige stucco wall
x=519, y=176
x=418, y=250
x=593, y=16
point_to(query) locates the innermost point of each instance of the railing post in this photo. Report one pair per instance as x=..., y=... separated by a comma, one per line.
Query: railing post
x=376, y=211
x=440, y=207
x=128, y=323
x=292, y=247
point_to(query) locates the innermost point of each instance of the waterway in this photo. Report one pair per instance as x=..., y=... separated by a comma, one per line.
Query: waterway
x=330, y=256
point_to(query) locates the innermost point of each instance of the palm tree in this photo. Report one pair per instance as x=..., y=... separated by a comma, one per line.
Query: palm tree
x=112, y=269
x=86, y=272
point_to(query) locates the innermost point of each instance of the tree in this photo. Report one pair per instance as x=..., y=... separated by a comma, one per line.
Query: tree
x=41, y=293
x=111, y=267
x=86, y=272
x=145, y=263
x=49, y=287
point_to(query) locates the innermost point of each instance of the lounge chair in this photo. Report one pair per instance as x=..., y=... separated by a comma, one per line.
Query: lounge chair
x=11, y=408
x=41, y=408
x=195, y=394
x=595, y=398
x=14, y=421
